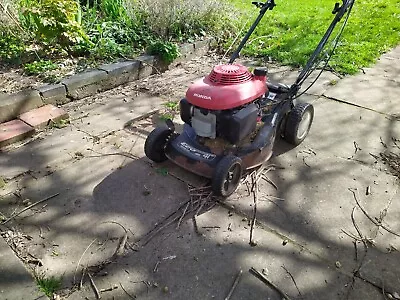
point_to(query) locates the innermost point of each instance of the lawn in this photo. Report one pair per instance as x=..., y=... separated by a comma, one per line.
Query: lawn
x=292, y=30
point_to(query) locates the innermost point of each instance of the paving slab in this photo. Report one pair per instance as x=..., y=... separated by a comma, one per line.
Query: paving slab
x=14, y=131
x=377, y=89
x=108, y=115
x=16, y=282
x=43, y=116
x=205, y=266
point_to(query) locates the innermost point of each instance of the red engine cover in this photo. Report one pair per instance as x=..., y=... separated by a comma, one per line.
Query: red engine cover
x=226, y=87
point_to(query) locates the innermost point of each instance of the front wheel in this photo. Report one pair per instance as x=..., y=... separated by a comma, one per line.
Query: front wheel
x=155, y=144
x=298, y=123
x=227, y=175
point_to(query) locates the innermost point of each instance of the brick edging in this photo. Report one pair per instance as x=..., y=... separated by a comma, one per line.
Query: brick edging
x=22, y=113
x=90, y=82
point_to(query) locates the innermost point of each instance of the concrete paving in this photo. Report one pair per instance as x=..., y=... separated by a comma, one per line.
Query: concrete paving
x=101, y=180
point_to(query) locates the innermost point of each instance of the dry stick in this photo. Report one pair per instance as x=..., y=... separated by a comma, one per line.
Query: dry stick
x=183, y=215
x=81, y=281
x=294, y=281
x=108, y=289
x=155, y=231
x=253, y=220
x=121, y=246
x=362, y=239
x=265, y=177
x=30, y=206
x=235, y=283
x=266, y=281
x=130, y=150
x=95, y=289
x=379, y=224
x=79, y=261
x=130, y=296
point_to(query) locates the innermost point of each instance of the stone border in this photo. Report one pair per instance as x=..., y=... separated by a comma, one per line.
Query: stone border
x=91, y=82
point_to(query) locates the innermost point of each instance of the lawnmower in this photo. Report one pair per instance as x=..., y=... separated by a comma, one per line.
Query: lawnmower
x=232, y=117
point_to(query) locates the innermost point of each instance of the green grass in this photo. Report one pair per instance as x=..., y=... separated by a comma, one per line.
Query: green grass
x=292, y=30
x=48, y=285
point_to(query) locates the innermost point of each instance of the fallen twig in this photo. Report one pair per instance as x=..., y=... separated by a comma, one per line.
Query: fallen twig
x=156, y=266
x=235, y=283
x=94, y=287
x=254, y=190
x=80, y=259
x=121, y=246
x=129, y=295
x=29, y=207
x=183, y=215
x=82, y=277
x=267, y=282
x=294, y=281
x=109, y=289
x=379, y=224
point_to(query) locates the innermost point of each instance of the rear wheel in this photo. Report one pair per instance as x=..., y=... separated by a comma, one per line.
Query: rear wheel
x=298, y=123
x=227, y=176
x=155, y=144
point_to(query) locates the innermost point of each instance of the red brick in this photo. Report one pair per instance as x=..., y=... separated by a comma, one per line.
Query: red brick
x=14, y=131
x=40, y=117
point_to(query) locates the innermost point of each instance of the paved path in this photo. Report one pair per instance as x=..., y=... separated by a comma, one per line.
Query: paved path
x=97, y=169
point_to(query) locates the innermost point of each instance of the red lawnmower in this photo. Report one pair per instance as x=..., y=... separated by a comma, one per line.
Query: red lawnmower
x=232, y=117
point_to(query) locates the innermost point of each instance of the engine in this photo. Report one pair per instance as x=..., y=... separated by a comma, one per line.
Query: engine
x=224, y=103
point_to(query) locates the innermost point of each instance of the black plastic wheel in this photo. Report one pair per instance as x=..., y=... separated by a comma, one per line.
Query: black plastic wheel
x=298, y=123
x=227, y=175
x=154, y=147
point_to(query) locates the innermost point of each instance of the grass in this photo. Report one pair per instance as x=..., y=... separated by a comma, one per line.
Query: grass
x=292, y=30
x=48, y=285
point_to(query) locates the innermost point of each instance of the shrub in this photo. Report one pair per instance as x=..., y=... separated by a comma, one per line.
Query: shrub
x=185, y=19
x=168, y=51
x=54, y=22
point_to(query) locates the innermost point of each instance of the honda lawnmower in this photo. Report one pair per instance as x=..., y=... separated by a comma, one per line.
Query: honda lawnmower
x=232, y=117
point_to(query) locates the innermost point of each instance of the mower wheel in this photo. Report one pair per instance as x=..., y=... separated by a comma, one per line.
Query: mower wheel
x=227, y=175
x=298, y=123
x=154, y=147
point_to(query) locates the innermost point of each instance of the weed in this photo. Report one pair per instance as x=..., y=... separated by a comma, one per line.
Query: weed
x=11, y=44
x=48, y=285
x=2, y=183
x=59, y=124
x=172, y=105
x=162, y=171
x=166, y=116
x=38, y=67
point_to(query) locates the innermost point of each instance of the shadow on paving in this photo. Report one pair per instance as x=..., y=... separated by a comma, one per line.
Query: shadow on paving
x=139, y=197
x=300, y=226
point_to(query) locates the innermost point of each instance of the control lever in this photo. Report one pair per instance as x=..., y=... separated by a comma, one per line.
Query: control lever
x=336, y=8
x=270, y=4
x=258, y=4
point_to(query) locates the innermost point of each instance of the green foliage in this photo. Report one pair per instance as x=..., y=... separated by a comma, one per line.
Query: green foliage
x=11, y=44
x=48, y=285
x=39, y=67
x=290, y=35
x=168, y=51
x=54, y=22
x=172, y=105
